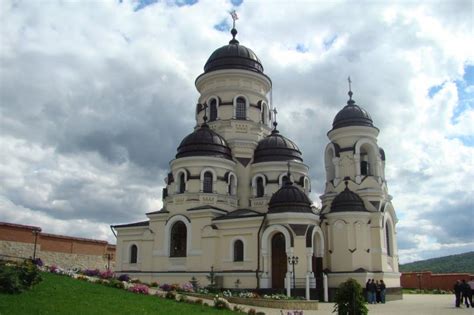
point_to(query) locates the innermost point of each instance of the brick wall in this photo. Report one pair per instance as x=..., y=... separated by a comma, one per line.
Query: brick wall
x=428, y=280
x=65, y=251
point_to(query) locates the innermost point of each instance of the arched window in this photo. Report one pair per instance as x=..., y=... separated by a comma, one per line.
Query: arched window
x=240, y=108
x=388, y=239
x=232, y=185
x=264, y=113
x=238, y=250
x=260, y=187
x=213, y=110
x=364, y=163
x=207, y=182
x=182, y=183
x=178, y=240
x=133, y=254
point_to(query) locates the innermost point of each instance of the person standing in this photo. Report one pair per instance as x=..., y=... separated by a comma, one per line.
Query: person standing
x=466, y=293
x=377, y=292
x=382, y=291
x=367, y=290
x=471, y=285
x=373, y=291
x=457, y=292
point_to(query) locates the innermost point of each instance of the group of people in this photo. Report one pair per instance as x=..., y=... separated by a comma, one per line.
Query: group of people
x=463, y=292
x=375, y=291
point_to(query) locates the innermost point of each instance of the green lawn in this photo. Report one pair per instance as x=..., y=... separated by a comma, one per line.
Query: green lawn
x=63, y=295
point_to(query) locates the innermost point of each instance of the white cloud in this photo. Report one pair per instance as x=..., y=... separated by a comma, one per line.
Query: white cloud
x=90, y=95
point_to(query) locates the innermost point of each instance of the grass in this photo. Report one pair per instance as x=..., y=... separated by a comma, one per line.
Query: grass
x=63, y=295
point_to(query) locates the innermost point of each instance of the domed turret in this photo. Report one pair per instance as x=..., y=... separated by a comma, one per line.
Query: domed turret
x=289, y=198
x=276, y=147
x=233, y=56
x=347, y=200
x=204, y=142
x=352, y=115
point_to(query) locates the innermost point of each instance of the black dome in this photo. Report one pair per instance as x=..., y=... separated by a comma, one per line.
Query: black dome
x=347, y=200
x=352, y=115
x=289, y=198
x=204, y=142
x=233, y=56
x=275, y=147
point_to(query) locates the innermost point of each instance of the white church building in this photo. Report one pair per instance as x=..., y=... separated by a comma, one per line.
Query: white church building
x=236, y=197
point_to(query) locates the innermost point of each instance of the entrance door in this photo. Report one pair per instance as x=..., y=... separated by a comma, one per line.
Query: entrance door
x=279, y=263
x=318, y=273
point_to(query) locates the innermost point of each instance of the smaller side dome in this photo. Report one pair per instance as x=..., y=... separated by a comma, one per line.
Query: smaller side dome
x=289, y=198
x=347, y=200
x=276, y=147
x=204, y=142
x=352, y=115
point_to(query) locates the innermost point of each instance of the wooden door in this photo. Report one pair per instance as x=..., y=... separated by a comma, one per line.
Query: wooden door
x=279, y=263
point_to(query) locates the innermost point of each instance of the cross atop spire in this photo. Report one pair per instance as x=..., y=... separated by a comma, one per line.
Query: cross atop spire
x=235, y=17
x=350, y=87
x=275, y=124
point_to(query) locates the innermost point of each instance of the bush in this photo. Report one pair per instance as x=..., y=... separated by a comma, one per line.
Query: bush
x=114, y=283
x=139, y=288
x=187, y=287
x=165, y=287
x=252, y=311
x=350, y=299
x=108, y=274
x=198, y=301
x=183, y=298
x=38, y=262
x=170, y=295
x=92, y=272
x=154, y=284
x=124, y=277
x=221, y=303
x=15, y=279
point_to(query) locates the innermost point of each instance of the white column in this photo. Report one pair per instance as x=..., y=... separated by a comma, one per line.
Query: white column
x=357, y=168
x=307, y=287
x=325, y=286
x=288, y=284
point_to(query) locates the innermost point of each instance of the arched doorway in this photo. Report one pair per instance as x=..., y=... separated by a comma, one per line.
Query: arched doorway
x=279, y=263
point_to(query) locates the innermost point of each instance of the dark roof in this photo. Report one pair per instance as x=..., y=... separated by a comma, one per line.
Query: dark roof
x=141, y=223
x=240, y=213
x=347, y=200
x=289, y=198
x=233, y=56
x=162, y=210
x=204, y=142
x=352, y=115
x=276, y=147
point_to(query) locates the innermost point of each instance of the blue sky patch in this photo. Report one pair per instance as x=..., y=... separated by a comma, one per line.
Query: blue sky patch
x=328, y=42
x=302, y=48
x=236, y=2
x=434, y=89
x=141, y=4
x=223, y=26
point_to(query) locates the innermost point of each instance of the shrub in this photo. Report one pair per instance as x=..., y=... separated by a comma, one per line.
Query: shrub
x=16, y=279
x=154, y=284
x=350, y=299
x=38, y=262
x=198, y=301
x=135, y=281
x=183, y=298
x=29, y=274
x=187, y=287
x=165, y=287
x=108, y=274
x=260, y=313
x=83, y=278
x=252, y=311
x=124, y=277
x=92, y=272
x=170, y=295
x=114, y=283
x=238, y=308
x=139, y=288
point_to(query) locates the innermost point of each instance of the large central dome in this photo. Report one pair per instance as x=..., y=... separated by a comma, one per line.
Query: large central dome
x=276, y=147
x=233, y=56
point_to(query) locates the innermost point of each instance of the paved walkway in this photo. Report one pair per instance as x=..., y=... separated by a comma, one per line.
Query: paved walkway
x=419, y=304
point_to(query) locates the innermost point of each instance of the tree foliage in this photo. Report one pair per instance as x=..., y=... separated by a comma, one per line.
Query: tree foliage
x=454, y=263
x=350, y=299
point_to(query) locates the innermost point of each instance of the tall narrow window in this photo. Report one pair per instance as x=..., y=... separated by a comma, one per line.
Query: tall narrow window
x=178, y=240
x=264, y=114
x=232, y=185
x=284, y=179
x=213, y=110
x=133, y=254
x=182, y=183
x=260, y=187
x=238, y=250
x=207, y=182
x=387, y=239
x=240, y=109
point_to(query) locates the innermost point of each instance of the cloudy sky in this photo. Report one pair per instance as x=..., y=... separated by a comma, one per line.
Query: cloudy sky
x=95, y=97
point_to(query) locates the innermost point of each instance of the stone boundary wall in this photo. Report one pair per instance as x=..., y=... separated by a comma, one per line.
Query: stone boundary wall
x=18, y=242
x=430, y=281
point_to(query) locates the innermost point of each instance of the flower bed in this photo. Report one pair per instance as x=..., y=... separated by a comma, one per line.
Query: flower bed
x=273, y=303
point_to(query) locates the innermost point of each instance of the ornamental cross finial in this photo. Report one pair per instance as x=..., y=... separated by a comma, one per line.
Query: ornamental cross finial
x=350, y=87
x=234, y=16
x=274, y=111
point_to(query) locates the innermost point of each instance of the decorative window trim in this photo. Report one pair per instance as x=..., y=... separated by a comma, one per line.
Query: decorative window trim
x=280, y=178
x=389, y=243
x=178, y=173
x=254, y=184
x=264, y=113
x=233, y=190
x=232, y=244
x=129, y=254
x=167, y=239
x=306, y=185
x=209, y=100
x=247, y=106
x=214, y=178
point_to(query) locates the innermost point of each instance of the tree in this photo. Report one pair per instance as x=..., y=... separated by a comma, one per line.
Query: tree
x=350, y=299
